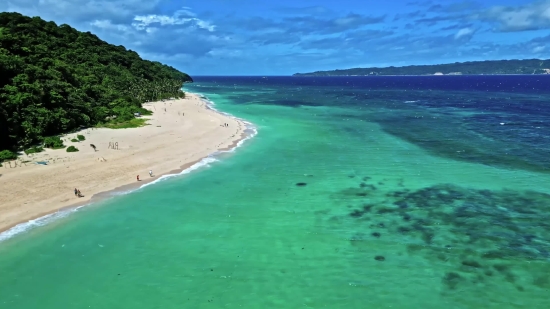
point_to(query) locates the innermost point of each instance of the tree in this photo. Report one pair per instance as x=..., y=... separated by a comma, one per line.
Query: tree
x=56, y=79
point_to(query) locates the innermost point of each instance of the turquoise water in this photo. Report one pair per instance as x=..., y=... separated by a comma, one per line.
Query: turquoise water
x=350, y=196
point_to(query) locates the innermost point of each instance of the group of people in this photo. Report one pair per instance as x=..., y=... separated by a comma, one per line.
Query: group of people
x=77, y=193
x=150, y=174
x=225, y=125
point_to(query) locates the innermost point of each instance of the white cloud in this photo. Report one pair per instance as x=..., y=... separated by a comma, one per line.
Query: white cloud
x=108, y=25
x=180, y=17
x=535, y=15
x=539, y=49
x=182, y=32
x=464, y=32
x=79, y=10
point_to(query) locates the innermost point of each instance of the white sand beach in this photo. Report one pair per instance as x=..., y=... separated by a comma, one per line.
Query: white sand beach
x=174, y=139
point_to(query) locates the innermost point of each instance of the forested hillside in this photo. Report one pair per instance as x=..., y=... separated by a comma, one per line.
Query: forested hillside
x=55, y=79
x=528, y=66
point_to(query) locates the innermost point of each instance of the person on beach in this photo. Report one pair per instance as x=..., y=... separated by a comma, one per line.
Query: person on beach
x=79, y=194
x=151, y=173
x=137, y=177
x=75, y=192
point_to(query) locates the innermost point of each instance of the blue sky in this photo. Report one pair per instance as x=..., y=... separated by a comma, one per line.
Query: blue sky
x=260, y=37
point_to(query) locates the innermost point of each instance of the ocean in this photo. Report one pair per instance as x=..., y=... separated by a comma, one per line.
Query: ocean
x=356, y=192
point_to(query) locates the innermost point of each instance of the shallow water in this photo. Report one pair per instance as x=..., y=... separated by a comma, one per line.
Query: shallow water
x=356, y=193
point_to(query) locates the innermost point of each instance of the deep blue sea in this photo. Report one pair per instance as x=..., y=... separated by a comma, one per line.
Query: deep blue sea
x=357, y=192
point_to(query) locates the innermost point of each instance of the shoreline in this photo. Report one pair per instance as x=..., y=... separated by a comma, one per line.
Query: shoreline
x=247, y=131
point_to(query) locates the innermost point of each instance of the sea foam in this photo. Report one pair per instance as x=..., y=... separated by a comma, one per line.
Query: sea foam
x=25, y=226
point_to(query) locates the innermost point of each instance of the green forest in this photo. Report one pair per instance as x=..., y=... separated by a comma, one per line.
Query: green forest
x=55, y=79
x=489, y=67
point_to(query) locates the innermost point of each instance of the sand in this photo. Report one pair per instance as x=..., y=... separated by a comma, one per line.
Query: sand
x=174, y=139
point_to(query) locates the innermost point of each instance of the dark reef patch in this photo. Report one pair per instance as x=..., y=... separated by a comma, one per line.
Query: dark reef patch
x=473, y=140
x=451, y=280
x=404, y=229
x=471, y=263
x=482, y=234
x=356, y=214
x=290, y=103
x=542, y=281
x=301, y=184
x=379, y=258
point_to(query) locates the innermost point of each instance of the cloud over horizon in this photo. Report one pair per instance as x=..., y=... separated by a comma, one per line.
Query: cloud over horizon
x=247, y=37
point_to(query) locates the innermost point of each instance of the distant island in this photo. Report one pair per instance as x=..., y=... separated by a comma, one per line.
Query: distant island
x=56, y=79
x=490, y=67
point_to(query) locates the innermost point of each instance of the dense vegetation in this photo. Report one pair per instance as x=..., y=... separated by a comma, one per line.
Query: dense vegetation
x=532, y=66
x=55, y=79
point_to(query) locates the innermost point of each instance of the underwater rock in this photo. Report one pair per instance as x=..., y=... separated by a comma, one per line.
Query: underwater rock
x=367, y=207
x=412, y=248
x=451, y=280
x=471, y=263
x=404, y=229
x=301, y=184
x=352, y=193
x=385, y=210
x=501, y=267
x=510, y=277
x=401, y=204
x=443, y=257
x=529, y=238
x=542, y=281
x=427, y=236
x=357, y=237
x=378, y=225
x=478, y=279
x=493, y=254
x=356, y=214
x=397, y=194
x=379, y=258
x=376, y=234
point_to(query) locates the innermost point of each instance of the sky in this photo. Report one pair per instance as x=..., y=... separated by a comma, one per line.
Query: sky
x=265, y=37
